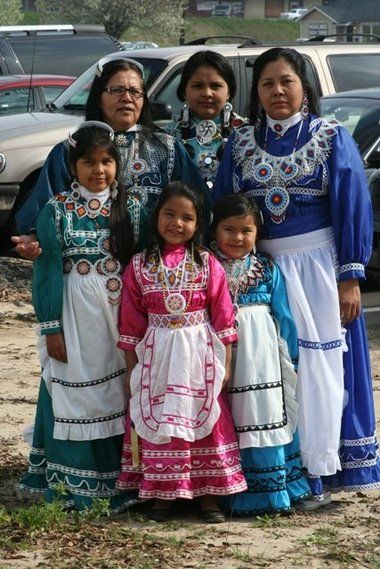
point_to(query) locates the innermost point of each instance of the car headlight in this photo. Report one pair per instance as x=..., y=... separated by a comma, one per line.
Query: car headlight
x=3, y=162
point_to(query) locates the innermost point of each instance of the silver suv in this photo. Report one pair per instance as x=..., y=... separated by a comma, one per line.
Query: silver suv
x=26, y=139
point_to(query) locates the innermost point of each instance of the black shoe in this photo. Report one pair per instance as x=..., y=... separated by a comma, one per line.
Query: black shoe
x=160, y=514
x=213, y=516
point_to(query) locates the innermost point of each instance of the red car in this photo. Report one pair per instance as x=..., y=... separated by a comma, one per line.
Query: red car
x=21, y=93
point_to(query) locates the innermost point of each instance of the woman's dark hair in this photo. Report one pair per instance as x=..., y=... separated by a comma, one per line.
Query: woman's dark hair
x=93, y=107
x=222, y=67
x=297, y=62
x=178, y=190
x=235, y=205
x=207, y=59
x=122, y=243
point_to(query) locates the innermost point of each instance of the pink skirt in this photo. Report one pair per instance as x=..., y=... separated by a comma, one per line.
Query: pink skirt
x=182, y=469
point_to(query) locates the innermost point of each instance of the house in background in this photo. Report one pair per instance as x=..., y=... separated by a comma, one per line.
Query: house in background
x=246, y=8
x=345, y=17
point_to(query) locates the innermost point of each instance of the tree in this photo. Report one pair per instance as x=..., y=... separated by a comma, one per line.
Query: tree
x=117, y=15
x=10, y=12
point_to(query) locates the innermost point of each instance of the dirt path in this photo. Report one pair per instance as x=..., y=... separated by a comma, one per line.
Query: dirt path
x=346, y=534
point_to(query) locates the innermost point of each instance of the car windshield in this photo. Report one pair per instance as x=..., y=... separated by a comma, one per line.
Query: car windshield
x=74, y=98
x=359, y=116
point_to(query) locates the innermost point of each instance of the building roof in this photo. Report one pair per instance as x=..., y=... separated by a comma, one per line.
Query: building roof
x=343, y=11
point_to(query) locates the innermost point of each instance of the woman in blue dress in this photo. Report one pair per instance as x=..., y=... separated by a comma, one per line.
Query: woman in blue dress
x=206, y=89
x=307, y=176
x=150, y=157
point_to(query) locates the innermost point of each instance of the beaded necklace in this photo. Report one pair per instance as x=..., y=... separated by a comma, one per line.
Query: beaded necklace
x=175, y=303
x=276, y=196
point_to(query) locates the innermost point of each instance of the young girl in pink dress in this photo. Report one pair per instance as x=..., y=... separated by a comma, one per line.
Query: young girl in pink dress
x=176, y=327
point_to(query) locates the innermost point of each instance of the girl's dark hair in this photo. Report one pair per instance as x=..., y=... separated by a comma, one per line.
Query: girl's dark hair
x=122, y=244
x=94, y=108
x=297, y=62
x=178, y=190
x=235, y=205
x=206, y=59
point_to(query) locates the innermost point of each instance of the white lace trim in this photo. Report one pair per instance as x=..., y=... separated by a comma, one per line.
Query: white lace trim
x=351, y=267
x=50, y=325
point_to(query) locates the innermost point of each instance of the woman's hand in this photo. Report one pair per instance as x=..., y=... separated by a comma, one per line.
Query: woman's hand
x=56, y=347
x=27, y=246
x=349, y=300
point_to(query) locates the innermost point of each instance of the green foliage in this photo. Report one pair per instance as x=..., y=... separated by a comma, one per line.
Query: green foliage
x=40, y=516
x=10, y=12
x=116, y=16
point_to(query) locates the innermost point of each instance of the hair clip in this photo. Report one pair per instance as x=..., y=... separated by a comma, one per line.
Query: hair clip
x=261, y=217
x=117, y=57
x=89, y=124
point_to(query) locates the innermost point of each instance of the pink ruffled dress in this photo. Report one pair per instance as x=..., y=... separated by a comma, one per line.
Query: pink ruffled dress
x=187, y=445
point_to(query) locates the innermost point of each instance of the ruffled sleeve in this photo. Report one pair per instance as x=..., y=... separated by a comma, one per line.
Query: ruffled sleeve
x=54, y=178
x=48, y=273
x=282, y=314
x=219, y=303
x=351, y=212
x=133, y=316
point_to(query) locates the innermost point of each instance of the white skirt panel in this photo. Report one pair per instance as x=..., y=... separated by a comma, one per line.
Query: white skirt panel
x=176, y=383
x=308, y=263
x=88, y=395
x=262, y=393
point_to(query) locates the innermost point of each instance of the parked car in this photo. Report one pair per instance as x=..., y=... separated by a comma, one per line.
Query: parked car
x=222, y=10
x=128, y=45
x=293, y=14
x=51, y=48
x=359, y=112
x=26, y=139
x=24, y=93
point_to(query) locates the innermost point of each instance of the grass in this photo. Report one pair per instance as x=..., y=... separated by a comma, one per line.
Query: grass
x=266, y=30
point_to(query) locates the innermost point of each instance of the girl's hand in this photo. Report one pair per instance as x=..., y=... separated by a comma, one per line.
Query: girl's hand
x=27, y=246
x=127, y=383
x=226, y=379
x=349, y=300
x=56, y=347
x=227, y=375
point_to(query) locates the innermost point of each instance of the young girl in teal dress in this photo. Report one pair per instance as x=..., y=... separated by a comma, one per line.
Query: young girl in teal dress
x=87, y=233
x=206, y=89
x=262, y=390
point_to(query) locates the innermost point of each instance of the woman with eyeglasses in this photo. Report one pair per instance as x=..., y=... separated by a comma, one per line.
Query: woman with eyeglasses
x=150, y=158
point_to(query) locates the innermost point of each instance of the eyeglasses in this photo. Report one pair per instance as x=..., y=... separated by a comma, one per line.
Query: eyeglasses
x=119, y=90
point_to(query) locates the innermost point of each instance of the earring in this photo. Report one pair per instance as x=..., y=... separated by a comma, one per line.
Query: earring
x=114, y=190
x=305, y=107
x=259, y=116
x=74, y=185
x=226, y=116
x=185, y=115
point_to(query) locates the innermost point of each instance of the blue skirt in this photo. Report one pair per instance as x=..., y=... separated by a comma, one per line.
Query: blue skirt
x=359, y=448
x=74, y=472
x=275, y=480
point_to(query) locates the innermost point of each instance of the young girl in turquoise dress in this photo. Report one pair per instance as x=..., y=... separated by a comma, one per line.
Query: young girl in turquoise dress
x=206, y=89
x=262, y=388
x=87, y=233
x=176, y=327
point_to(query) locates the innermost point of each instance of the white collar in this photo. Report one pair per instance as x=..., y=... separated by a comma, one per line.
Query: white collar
x=87, y=195
x=279, y=127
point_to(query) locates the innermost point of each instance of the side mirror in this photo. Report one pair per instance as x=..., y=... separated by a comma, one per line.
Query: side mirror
x=161, y=111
